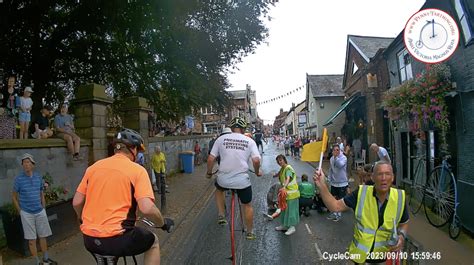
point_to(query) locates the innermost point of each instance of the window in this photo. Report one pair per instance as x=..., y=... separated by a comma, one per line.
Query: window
x=354, y=67
x=404, y=65
x=464, y=19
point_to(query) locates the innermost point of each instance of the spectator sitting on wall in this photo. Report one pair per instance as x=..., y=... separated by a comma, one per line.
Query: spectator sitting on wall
x=64, y=126
x=40, y=128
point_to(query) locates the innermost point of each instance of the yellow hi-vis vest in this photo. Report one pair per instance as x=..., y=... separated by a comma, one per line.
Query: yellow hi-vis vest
x=366, y=230
x=292, y=188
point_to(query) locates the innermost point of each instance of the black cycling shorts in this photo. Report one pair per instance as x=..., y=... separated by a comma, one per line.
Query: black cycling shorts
x=245, y=195
x=132, y=242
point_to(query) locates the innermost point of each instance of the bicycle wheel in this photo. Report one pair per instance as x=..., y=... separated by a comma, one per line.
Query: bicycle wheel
x=417, y=190
x=416, y=198
x=236, y=245
x=455, y=228
x=439, y=196
x=232, y=229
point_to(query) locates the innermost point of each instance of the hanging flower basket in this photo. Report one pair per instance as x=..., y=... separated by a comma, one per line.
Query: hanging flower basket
x=422, y=101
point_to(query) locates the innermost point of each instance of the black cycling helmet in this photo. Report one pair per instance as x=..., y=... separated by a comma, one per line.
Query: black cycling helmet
x=238, y=122
x=130, y=138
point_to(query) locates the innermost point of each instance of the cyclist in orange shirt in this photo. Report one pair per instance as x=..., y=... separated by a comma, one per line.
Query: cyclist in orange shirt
x=107, y=200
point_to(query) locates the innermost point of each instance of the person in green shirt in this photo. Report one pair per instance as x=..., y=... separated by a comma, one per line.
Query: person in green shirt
x=307, y=193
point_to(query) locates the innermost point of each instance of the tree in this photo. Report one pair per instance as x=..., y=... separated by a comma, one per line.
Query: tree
x=174, y=53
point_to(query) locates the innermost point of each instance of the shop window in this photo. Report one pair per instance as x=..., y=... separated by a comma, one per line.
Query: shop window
x=463, y=16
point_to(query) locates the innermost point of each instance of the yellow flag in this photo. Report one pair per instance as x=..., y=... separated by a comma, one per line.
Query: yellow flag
x=325, y=140
x=312, y=151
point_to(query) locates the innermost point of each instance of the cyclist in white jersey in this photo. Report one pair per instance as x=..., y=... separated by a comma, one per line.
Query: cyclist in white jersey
x=234, y=150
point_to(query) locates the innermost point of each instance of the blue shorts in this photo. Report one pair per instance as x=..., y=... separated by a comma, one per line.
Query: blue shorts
x=24, y=117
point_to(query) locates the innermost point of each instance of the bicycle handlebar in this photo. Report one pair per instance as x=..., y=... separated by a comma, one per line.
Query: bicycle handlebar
x=168, y=226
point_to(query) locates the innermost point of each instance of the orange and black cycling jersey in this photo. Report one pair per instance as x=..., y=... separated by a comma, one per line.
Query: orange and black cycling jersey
x=112, y=187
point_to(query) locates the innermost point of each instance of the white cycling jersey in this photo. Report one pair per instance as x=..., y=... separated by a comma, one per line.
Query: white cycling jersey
x=234, y=150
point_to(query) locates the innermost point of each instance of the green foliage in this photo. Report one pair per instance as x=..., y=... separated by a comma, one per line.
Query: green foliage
x=422, y=100
x=173, y=52
x=10, y=209
x=53, y=194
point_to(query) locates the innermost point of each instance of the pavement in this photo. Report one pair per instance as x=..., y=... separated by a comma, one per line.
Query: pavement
x=190, y=200
x=188, y=194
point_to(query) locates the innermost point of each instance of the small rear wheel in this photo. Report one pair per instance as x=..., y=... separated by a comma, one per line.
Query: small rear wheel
x=455, y=228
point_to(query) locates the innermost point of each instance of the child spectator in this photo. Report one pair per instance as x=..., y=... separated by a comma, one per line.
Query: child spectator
x=307, y=193
x=272, y=198
x=197, y=153
x=41, y=128
x=24, y=116
x=281, y=204
x=8, y=110
x=64, y=126
x=365, y=175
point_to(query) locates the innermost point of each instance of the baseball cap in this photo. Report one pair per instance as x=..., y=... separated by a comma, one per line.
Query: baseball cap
x=29, y=89
x=28, y=156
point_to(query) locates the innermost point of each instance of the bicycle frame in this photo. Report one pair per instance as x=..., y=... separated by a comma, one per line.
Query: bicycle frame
x=455, y=222
x=232, y=227
x=446, y=172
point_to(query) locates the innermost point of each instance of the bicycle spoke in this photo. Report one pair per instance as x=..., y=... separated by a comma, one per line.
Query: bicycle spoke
x=439, y=197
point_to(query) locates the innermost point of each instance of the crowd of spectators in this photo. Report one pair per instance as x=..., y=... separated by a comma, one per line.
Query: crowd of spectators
x=16, y=113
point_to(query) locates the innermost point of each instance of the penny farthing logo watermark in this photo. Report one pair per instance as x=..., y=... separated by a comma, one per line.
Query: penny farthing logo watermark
x=431, y=36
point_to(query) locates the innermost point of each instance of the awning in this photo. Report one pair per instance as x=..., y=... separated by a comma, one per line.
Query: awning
x=343, y=107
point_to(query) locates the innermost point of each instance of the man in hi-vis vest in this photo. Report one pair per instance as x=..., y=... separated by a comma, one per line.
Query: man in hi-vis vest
x=380, y=212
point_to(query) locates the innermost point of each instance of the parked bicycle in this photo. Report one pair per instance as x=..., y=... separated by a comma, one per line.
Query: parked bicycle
x=441, y=198
x=417, y=189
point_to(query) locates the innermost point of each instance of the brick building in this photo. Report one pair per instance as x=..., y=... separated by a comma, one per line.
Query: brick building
x=402, y=67
x=365, y=79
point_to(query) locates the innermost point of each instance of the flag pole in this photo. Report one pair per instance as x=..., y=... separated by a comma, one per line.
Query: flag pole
x=323, y=148
x=321, y=160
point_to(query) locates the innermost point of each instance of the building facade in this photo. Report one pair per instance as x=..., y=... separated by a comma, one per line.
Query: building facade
x=460, y=104
x=324, y=96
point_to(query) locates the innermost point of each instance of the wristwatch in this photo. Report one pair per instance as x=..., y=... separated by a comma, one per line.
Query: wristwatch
x=403, y=233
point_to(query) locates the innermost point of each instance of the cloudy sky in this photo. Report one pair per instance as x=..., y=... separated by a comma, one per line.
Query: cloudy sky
x=310, y=36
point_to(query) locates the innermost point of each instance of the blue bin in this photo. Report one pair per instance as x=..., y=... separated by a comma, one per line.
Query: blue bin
x=187, y=160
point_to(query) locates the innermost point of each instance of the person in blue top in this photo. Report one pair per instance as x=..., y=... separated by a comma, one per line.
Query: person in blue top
x=28, y=199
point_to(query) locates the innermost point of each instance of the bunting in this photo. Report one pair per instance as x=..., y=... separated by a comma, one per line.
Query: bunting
x=291, y=92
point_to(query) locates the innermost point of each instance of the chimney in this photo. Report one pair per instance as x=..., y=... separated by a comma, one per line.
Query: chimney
x=281, y=110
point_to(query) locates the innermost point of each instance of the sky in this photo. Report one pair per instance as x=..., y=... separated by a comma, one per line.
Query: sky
x=310, y=37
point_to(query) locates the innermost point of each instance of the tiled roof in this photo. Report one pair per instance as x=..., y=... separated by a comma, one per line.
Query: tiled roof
x=325, y=85
x=236, y=94
x=369, y=46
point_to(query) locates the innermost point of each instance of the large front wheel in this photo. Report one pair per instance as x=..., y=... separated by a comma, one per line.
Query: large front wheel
x=416, y=198
x=439, y=196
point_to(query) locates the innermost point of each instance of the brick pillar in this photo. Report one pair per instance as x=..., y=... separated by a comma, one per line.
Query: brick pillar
x=91, y=118
x=135, y=117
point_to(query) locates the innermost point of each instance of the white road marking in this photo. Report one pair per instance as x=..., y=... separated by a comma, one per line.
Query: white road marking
x=309, y=230
x=318, y=251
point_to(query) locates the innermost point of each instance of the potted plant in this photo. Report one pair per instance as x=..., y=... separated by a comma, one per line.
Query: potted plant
x=61, y=217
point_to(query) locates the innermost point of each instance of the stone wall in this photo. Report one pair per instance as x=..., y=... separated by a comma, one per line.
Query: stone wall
x=50, y=155
x=173, y=145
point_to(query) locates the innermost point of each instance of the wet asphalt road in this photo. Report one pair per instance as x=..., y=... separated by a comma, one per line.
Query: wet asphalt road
x=316, y=237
